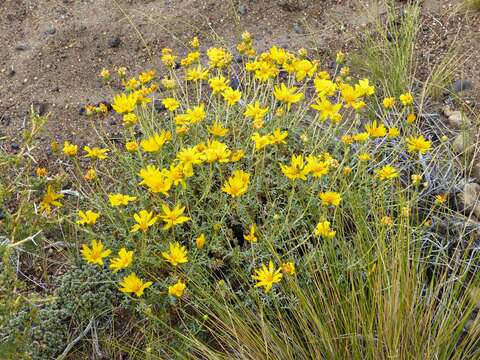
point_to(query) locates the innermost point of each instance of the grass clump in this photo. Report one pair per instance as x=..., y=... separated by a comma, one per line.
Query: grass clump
x=264, y=207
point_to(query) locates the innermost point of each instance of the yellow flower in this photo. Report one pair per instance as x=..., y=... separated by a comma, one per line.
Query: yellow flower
x=287, y=95
x=411, y=118
x=218, y=84
x=88, y=217
x=171, y=104
x=349, y=95
x=191, y=58
x=177, y=254
x=155, y=180
x=386, y=220
x=363, y=88
x=250, y=237
x=196, y=114
x=216, y=151
x=95, y=254
x=218, y=130
x=330, y=198
x=50, y=199
x=347, y=139
x=328, y=110
x=288, y=268
x=198, y=73
x=406, y=99
x=418, y=144
x=195, y=43
x=255, y=111
x=347, y=170
x=130, y=119
x=340, y=58
x=296, y=168
x=393, y=132
x=177, y=289
x=231, y=96
x=416, y=179
x=304, y=68
x=41, y=172
x=200, y=241
x=278, y=137
x=316, y=166
x=237, y=184
x=266, y=277
x=120, y=199
x=237, y=155
x=440, y=199
x=361, y=137
x=95, y=153
x=189, y=156
x=123, y=104
x=122, y=72
x=323, y=230
x=122, y=261
x=90, y=175
x=70, y=149
x=133, y=284
x=131, y=146
x=168, y=59
x=324, y=87
x=261, y=141
x=144, y=220
x=219, y=57
x=375, y=130
x=147, y=76
x=389, y=102
x=105, y=74
x=173, y=217
x=155, y=142
x=168, y=84
x=364, y=157
x=387, y=172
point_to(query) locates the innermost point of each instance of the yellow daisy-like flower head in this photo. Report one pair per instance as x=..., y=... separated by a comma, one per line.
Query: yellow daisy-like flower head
x=288, y=268
x=144, y=220
x=171, y=104
x=389, y=102
x=324, y=230
x=237, y=184
x=387, y=172
x=120, y=199
x=418, y=144
x=50, y=199
x=375, y=130
x=124, y=104
x=155, y=142
x=123, y=260
x=250, y=237
x=232, y=96
x=267, y=277
x=88, y=217
x=406, y=99
x=296, y=169
x=96, y=253
x=200, y=241
x=177, y=289
x=173, y=217
x=177, y=254
x=287, y=95
x=70, y=149
x=218, y=84
x=218, y=130
x=95, y=152
x=330, y=198
x=133, y=284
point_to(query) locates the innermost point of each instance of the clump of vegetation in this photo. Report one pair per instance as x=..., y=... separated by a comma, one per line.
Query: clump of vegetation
x=264, y=207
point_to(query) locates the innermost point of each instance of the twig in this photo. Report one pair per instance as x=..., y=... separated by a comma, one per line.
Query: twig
x=76, y=340
x=30, y=238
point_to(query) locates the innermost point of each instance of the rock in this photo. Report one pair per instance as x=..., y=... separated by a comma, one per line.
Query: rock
x=446, y=110
x=15, y=147
x=50, y=31
x=22, y=47
x=40, y=108
x=459, y=120
x=297, y=28
x=11, y=72
x=462, y=85
x=234, y=83
x=292, y=5
x=114, y=42
x=463, y=143
x=242, y=9
x=470, y=198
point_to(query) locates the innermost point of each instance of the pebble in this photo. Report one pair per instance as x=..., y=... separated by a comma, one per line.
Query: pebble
x=470, y=198
x=22, y=47
x=40, y=107
x=297, y=28
x=462, y=85
x=114, y=42
x=242, y=9
x=50, y=31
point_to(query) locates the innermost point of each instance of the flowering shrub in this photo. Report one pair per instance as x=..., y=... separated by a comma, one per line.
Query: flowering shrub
x=243, y=181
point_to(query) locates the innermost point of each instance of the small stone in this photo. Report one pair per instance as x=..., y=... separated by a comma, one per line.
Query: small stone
x=459, y=120
x=297, y=28
x=470, y=198
x=462, y=85
x=50, y=31
x=242, y=9
x=40, y=108
x=11, y=72
x=114, y=42
x=15, y=147
x=22, y=47
x=463, y=143
x=292, y=5
x=234, y=83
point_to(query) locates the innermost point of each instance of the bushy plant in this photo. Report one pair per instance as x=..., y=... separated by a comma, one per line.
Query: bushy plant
x=261, y=206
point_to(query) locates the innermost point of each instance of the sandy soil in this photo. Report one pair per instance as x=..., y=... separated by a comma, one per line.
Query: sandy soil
x=53, y=50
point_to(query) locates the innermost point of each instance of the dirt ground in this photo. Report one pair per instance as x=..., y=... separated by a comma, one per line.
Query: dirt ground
x=53, y=50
